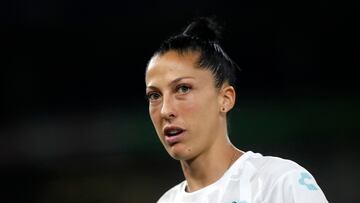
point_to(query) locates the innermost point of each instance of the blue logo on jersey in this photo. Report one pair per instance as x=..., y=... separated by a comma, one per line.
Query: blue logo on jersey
x=304, y=176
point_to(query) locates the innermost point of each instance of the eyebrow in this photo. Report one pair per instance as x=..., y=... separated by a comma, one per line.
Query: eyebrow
x=173, y=82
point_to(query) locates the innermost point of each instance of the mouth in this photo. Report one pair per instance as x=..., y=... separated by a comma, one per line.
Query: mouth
x=172, y=131
x=173, y=134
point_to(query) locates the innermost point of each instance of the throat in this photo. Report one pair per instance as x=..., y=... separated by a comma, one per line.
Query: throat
x=202, y=172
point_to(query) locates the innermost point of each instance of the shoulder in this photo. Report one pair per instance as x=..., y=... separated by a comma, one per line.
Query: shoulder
x=270, y=167
x=272, y=170
x=171, y=194
x=284, y=180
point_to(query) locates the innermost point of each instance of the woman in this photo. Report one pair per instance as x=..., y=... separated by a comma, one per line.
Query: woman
x=190, y=88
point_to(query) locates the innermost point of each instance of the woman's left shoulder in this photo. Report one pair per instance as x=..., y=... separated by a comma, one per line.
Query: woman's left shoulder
x=271, y=168
x=272, y=163
x=281, y=165
x=286, y=178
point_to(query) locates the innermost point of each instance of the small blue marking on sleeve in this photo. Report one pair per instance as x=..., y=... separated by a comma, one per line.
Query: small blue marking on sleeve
x=304, y=176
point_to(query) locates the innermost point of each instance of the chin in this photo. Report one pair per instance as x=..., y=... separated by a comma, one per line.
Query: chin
x=180, y=152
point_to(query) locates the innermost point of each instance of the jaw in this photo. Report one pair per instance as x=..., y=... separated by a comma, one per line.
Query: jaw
x=179, y=151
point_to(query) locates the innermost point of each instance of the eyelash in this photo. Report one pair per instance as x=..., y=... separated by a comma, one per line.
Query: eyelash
x=151, y=94
x=178, y=88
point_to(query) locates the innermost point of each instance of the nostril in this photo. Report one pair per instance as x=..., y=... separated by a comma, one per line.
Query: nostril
x=167, y=110
x=169, y=117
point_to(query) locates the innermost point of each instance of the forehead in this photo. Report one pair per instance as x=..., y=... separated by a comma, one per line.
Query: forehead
x=173, y=59
x=172, y=65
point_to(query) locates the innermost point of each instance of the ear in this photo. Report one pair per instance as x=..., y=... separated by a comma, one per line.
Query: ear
x=227, y=98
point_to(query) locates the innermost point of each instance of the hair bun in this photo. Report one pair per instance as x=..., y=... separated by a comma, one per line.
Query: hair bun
x=204, y=28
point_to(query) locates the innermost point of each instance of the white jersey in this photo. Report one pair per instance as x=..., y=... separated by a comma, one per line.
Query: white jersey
x=254, y=178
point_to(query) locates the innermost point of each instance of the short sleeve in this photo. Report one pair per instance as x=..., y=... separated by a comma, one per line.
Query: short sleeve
x=296, y=186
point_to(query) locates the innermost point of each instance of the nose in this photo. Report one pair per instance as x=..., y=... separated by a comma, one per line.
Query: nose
x=167, y=109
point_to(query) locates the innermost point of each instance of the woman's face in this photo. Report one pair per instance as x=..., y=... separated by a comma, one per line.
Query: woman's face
x=184, y=104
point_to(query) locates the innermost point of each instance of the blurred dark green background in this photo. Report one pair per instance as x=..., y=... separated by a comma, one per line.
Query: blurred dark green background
x=74, y=125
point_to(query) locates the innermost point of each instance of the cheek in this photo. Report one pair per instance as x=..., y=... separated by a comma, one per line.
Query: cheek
x=193, y=110
x=202, y=104
x=156, y=120
x=188, y=107
x=201, y=113
x=154, y=115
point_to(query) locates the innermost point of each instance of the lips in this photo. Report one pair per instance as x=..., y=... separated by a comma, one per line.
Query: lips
x=172, y=131
x=173, y=134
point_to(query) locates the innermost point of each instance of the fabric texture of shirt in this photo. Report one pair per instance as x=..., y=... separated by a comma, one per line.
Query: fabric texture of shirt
x=254, y=178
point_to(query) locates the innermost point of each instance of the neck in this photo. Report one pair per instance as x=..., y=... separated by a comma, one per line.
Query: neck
x=210, y=166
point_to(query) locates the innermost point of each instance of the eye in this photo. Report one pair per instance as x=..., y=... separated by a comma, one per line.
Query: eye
x=153, y=96
x=183, y=89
